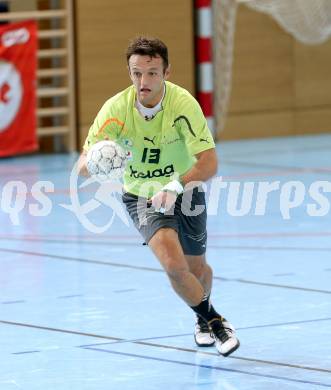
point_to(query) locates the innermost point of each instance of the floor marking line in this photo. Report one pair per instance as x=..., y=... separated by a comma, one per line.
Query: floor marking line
x=140, y=268
x=210, y=246
x=140, y=342
x=59, y=330
x=210, y=367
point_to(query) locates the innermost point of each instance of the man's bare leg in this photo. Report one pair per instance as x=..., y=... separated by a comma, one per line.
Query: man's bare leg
x=166, y=246
x=202, y=271
x=204, y=274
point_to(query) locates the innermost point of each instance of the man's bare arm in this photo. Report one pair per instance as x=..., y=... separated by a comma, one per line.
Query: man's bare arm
x=203, y=169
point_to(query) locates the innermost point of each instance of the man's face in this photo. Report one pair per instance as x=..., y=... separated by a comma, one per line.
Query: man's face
x=148, y=75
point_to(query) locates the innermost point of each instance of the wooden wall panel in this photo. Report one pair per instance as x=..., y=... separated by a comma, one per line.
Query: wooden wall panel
x=312, y=120
x=104, y=29
x=258, y=125
x=280, y=86
x=19, y=5
x=312, y=74
x=262, y=69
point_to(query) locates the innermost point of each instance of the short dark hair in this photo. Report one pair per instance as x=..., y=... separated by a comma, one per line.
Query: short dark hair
x=146, y=46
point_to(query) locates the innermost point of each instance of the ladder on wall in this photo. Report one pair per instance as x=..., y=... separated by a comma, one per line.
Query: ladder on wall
x=55, y=74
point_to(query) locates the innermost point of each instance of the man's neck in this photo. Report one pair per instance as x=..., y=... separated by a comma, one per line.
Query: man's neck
x=149, y=112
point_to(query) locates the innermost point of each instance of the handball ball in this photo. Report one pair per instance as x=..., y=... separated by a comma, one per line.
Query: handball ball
x=106, y=160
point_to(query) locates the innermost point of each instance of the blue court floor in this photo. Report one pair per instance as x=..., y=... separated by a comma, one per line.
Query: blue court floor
x=84, y=305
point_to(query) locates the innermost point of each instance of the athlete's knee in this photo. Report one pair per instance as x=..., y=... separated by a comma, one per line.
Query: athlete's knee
x=176, y=268
x=167, y=248
x=177, y=274
x=198, y=266
x=202, y=271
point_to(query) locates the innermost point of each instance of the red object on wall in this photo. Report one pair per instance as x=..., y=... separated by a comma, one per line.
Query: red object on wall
x=18, y=65
x=204, y=60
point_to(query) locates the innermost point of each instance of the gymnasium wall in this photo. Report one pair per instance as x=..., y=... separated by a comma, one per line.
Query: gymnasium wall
x=280, y=87
x=103, y=30
x=19, y=5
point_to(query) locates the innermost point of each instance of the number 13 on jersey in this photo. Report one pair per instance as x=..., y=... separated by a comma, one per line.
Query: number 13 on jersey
x=151, y=156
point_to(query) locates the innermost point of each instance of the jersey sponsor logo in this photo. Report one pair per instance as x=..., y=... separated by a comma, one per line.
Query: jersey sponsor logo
x=150, y=140
x=167, y=171
x=204, y=140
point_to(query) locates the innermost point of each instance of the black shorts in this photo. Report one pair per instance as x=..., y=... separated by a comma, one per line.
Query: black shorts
x=188, y=217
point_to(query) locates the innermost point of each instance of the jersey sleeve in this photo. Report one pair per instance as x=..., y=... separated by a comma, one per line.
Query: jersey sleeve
x=106, y=126
x=193, y=126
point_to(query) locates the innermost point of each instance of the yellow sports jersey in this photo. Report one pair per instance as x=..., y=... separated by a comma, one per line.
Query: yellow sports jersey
x=159, y=149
